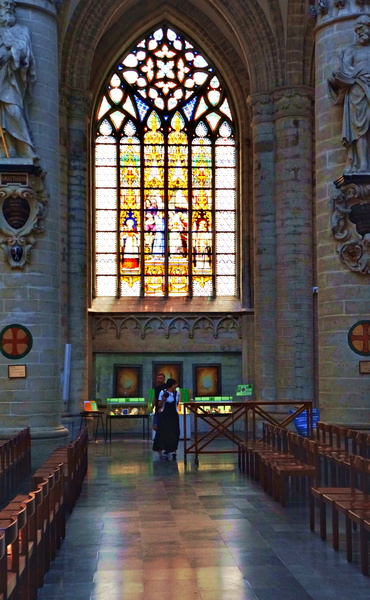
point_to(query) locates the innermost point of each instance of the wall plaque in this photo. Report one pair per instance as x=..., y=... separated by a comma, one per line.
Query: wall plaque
x=14, y=179
x=364, y=367
x=17, y=371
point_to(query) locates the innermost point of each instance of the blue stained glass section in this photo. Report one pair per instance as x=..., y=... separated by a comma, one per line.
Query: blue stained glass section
x=142, y=107
x=189, y=108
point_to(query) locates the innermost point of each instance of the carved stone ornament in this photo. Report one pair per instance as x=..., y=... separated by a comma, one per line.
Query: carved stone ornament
x=215, y=326
x=22, y=211
x=324, y=11
x=261, y=107
x=350, y=222
x=349, y=86
x=17, y=76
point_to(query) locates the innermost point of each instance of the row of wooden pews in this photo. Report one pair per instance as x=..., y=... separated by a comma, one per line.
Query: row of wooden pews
x=344, y=489
x=336, y=467
x=15, y=462
x=33, y=525
x=280, y=458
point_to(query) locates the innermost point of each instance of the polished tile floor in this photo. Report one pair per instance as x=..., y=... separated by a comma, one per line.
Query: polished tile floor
x=145, y=529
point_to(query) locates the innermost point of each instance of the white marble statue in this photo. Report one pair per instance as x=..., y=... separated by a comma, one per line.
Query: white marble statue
x=17, y=73
x=350, y=86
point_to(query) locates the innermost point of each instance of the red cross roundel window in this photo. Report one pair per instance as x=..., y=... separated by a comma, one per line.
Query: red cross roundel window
x=15, y=341
x=359, y=338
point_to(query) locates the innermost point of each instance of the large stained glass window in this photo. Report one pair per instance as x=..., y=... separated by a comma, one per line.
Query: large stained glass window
x=165, y=175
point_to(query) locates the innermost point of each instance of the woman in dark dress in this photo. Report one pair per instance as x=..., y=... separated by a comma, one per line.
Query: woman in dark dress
x=168, y=427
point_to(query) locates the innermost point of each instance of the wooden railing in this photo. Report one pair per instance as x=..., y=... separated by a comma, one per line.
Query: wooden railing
x=223, y=424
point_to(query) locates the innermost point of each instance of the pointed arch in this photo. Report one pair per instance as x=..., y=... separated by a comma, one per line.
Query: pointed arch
x=165, y=174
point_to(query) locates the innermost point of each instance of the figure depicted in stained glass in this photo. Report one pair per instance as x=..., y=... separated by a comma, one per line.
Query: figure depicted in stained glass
x=130, y=244
x=178, y=234
x=202, y=257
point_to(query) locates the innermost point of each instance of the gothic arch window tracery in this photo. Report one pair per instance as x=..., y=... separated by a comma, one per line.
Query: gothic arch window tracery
x=165, y=175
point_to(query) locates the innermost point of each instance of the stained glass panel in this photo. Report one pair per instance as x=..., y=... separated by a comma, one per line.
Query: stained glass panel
x=225, y=286
x=225, y=263
x=130, y=286
x=225, y=221
x=225, y=199
x=106, y=264
x=106, y=199
x=104, y=107
x=202, y=286
x=225, y=178
x=106, y=220
x=225, y=242
x=106, y=177
x=225, y=155
x=106, y=241
x=168, y=182
x=106, y=286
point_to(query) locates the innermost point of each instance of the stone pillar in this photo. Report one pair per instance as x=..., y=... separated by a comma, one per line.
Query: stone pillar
x=344, y=295
x=78, y=283
x=30, y=296
x=294, y=190
x=263, y=131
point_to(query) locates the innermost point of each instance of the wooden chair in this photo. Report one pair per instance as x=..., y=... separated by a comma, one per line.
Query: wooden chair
x=9, y=576
x=28, y=542
x=3, y=565
x=353, y=509
x=304, y=467
x=19, y=513
x=328, y=495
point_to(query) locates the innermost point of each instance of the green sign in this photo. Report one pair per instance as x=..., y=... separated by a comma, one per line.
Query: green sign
x=124, y=400
x=213, y=399
x=245, y=389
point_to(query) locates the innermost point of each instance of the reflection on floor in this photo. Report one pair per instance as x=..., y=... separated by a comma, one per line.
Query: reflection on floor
x=146, y=529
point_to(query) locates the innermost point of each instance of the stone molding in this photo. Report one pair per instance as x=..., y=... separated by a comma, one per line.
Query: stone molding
x=326, y=11
x=354, y=248
x=261, y=108
x=142, y=325
x=293, y=102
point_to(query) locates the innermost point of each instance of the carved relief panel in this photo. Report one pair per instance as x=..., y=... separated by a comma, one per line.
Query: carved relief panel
x=22, y=211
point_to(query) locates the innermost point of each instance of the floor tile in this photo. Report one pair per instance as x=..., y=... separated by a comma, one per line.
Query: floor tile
x=144, y=530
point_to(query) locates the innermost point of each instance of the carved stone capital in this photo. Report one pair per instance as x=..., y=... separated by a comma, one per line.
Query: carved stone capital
x=325, y=11
x=293, y=102
x=22, y=213
x=350, y=224
x=261, y=107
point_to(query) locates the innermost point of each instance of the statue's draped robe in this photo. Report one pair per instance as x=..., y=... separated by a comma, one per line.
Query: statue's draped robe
x=351, y=87
x=16, y=76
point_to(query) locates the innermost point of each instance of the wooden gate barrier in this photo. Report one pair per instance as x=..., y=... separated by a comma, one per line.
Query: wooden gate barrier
x=223, y=423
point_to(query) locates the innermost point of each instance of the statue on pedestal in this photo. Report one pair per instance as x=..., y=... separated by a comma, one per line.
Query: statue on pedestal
x=350, y=86
x=17, y=73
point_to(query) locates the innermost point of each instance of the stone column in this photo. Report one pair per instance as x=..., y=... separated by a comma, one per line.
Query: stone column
x=263, y=132
x=78, y=247
x=30, y=296
x=344, y=295
x=294, y=190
